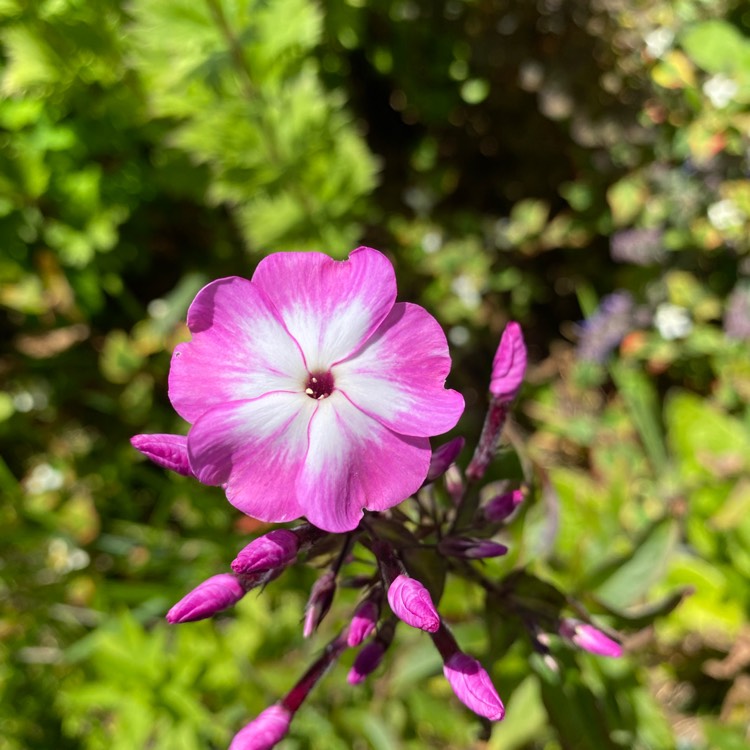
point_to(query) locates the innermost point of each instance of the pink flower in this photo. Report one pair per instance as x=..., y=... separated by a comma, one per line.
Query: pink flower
x=367, y=661
x=310, y=390
x=273, y=550
x=589, y=638
x=473, y=687
x=210, y=597
x=509, y=364
x=265, y=731
x=412, y=603
x=167, y=451
x=363, y=622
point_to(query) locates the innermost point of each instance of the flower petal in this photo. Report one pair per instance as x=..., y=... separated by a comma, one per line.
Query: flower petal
x=354, y=463
x=256, y=448
x=398, y=377
x=329, y=306
x=239, y=350
x=473, y=686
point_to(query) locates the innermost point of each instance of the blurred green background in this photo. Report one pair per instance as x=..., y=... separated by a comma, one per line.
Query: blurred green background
x=549, y=162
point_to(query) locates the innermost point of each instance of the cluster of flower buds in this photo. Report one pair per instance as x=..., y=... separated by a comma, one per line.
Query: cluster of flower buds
x=450, y=524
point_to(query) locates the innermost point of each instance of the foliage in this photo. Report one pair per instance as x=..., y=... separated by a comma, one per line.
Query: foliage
x=515, y=159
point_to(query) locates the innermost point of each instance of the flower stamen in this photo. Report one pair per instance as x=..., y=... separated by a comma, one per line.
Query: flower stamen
x=320, y=385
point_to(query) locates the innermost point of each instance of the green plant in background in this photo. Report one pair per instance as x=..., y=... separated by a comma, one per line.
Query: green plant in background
x=518, y=148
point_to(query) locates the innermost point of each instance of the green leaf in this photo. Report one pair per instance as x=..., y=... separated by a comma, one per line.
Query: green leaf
x=716, y=46
x=641, y=399
x=707, y=441
x=626, y=579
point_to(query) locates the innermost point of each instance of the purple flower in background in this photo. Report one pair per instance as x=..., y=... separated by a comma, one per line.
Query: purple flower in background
x=473, y=686
x=607, y=327
x=412, y=603
x=265, y=731
x=211, y=596
x=310, y=391
x=273, y=550
x=168, y=451
x=642, y=247
x=509, y=364
x=589, y=638
x=737, y=314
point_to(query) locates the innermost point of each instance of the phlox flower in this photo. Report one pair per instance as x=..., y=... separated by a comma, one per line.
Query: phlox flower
x=310, y=391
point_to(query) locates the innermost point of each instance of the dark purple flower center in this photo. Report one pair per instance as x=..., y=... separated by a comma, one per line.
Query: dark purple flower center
x=319, y=385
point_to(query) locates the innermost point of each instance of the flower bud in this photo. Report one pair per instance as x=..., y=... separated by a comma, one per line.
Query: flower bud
x=469, y=548
x=500, y=507
x=210, y=597
x=321, y=598
x=443, y=457
x=265, y=731
x=473, y=687
x=367, y=661
x=509, y=364
x=412, y=603
x=168, y=451
x=454, y=483
x=273, y=550
x=588, y=638
x=363, y=622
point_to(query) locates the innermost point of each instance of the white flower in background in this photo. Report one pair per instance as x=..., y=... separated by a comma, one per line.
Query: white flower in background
x=720, y=90
x=465, y=289
x=659, y=41
x=725, y=214
x=672, y=321
x=44, y=478
x=432, y=242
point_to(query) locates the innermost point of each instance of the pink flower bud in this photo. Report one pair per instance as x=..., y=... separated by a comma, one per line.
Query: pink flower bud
x=412, y=603
x=363, y=622
x=321, y=598
x=168, y=451
x=472, y=549
x=265, y=731
x=473, y=687
x=509, y=364
x=273, y=550
x=367, y=661
x=443, y=457
x=500, y=507
x=210, y=597
x=589, y=638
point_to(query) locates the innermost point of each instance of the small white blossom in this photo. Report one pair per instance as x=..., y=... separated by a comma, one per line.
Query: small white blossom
x=659, y=41
x=720, y=90
x=44, y=478
x=466, y=290
x=725, y=214
x=672, y=321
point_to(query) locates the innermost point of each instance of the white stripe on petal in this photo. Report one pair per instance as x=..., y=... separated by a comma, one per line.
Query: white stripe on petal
x=257, y=448
x=239, y=350
x=330, y=307
x=398, y=376
x=355, y=463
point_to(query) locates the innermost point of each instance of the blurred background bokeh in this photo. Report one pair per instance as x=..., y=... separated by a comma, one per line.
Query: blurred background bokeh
x=581, y=166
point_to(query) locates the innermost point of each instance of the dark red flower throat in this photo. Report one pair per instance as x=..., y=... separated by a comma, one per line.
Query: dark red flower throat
x=319, y=385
